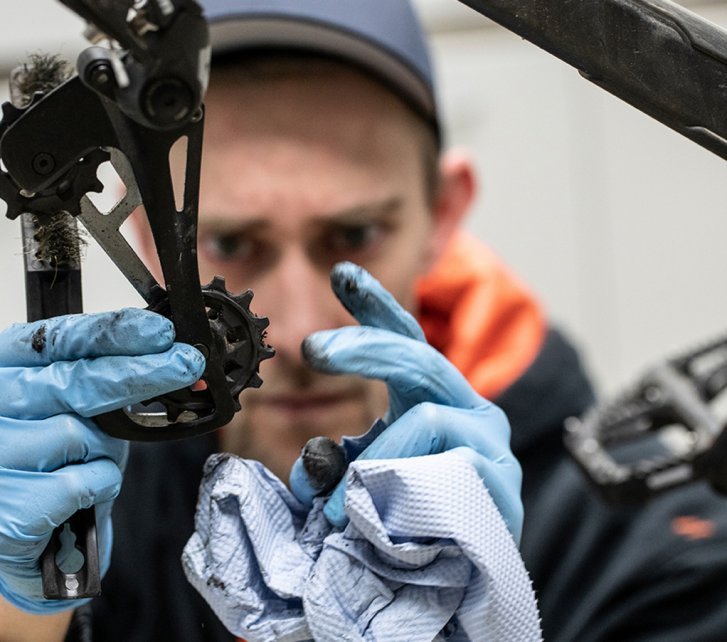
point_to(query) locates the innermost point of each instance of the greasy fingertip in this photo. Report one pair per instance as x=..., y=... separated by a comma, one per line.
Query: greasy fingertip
x=339, y=351
x=321, y=465
x=308, y=349
x=314, y=349
x=346, y=278
x=370, y=303
x=125, y=332
x=324, y=461
x=151, y=326
x=189, y=363
x=129, y=331
x=89, y=387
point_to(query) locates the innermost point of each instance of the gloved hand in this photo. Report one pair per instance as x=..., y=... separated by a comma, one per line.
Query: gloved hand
x=432, y=407
x=54, y=461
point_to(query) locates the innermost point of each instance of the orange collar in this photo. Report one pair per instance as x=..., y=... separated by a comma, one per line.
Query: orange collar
x=480, y=316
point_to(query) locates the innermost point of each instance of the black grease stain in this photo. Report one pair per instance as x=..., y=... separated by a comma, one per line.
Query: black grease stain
x=351, y=290
x=351, y=286
x=216, y=582
x=324, y=462
x=345, y=287
x=38, y=341
x=109, y=326
x=312, y=356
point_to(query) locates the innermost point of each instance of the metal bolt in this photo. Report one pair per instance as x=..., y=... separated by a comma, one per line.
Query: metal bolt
x=168, y=102
x=44, y=164
x=100, y=74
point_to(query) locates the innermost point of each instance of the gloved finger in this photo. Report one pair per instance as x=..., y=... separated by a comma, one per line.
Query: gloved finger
x=92, y=386
x=414, y=371
x=369, y=303
x=105, y=534
x=36, y=503
x=428, y=429
x=301, y=484
x=48, y=444
x=125, y=332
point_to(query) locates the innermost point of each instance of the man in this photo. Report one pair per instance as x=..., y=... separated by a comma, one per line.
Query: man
x=318, y=156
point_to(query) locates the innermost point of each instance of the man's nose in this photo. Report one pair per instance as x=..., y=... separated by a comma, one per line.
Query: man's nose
x=298, y=301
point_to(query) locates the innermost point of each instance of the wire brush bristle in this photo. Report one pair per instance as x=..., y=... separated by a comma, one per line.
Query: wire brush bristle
x=41, y=73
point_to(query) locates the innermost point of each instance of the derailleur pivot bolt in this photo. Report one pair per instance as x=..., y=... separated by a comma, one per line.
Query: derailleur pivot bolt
x=100, y=75
x=44, y=164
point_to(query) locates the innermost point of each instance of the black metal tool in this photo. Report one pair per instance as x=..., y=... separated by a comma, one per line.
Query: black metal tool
x=666, y=430
x=656, y=55
x=131, y=103
x=51, y=151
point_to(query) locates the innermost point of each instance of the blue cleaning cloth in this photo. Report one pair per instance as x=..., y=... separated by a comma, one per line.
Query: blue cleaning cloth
x=425, y=556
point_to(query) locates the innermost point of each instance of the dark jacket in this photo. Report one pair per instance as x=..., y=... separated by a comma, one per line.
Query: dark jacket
x=657, y=572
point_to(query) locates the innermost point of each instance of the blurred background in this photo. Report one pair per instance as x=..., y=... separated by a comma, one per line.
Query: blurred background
x=617, y=223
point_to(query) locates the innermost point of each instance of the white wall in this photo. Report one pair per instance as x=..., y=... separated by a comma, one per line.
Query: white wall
x=618, y=223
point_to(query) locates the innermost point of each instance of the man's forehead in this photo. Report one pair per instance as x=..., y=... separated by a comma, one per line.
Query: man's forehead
x=296, y=128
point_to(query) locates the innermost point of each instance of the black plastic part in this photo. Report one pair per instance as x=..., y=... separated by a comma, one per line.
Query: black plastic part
x=657, y=56
x=86, y=582
x=665, y=431
x=166, y=64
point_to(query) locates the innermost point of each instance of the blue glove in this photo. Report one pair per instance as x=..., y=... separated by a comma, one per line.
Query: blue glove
x=54, y=460
x=432, y=407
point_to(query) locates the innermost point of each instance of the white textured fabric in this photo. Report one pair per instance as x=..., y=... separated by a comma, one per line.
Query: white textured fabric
x=425, y=556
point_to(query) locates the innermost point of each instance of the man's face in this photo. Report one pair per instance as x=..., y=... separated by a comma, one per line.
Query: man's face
x=300, y=172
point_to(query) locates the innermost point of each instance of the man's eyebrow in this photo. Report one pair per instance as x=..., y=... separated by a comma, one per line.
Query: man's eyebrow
x=368, y=210
x=346, y=216
x=225, y=225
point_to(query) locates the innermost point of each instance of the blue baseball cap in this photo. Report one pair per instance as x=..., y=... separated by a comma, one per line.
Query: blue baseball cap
x=383, y=37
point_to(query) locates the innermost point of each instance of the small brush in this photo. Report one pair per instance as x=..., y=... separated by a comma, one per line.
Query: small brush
x=52, y=243
x=52, y=248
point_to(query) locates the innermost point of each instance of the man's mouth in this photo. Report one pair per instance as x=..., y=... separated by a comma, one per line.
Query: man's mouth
x=301, y=404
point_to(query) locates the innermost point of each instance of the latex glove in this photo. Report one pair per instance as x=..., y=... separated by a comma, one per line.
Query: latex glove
x=432, y=407
x=54, y=461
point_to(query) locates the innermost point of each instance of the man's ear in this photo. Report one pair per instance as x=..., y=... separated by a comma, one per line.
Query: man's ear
x=454, y=196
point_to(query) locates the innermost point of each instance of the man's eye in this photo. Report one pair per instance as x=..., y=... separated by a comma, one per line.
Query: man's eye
x=352, y=238
x=226, y=247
